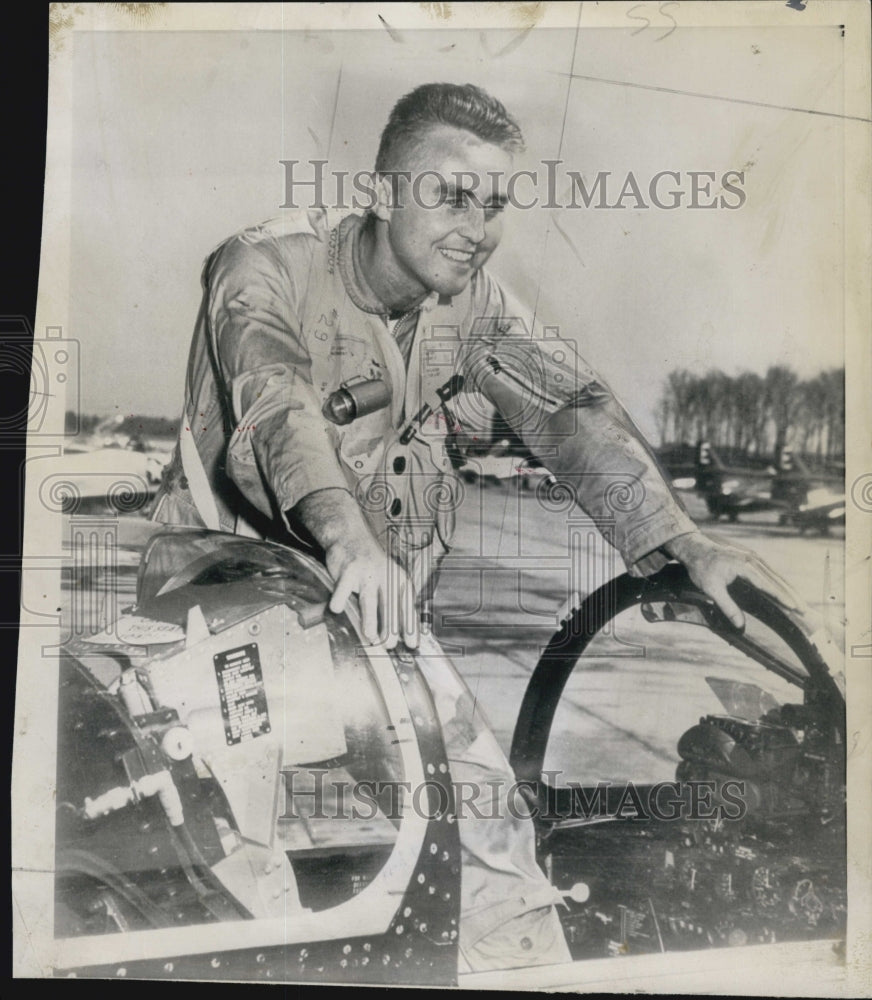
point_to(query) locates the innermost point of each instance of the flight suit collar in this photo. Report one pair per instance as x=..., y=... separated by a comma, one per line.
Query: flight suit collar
x=350, y=230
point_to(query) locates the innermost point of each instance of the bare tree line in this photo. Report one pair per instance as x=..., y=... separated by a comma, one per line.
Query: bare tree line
x=756, y=414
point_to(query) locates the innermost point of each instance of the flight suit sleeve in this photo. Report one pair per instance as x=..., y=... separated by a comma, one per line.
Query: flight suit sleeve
x=280, y=447
x=570, y=419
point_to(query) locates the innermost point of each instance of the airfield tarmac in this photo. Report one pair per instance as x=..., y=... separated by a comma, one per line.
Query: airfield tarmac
x=498, y=602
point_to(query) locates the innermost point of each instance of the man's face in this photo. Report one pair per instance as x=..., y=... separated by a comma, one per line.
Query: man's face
x=446, y=221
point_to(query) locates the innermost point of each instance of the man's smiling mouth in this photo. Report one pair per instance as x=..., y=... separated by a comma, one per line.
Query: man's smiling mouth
x=458, y=256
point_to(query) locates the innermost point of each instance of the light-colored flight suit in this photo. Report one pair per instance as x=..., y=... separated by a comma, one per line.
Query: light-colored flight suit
x=287, y=319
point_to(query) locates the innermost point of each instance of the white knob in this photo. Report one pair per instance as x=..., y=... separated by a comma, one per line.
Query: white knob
x=579, y=893
x=177, y=743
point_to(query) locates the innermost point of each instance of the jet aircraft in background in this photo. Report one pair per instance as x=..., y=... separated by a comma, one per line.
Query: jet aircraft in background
x=806, y=500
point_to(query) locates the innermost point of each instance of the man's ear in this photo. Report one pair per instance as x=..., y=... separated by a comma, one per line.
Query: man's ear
x=385, y=197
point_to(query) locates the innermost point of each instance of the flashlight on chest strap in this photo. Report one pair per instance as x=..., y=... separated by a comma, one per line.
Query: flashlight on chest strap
x=356, y=399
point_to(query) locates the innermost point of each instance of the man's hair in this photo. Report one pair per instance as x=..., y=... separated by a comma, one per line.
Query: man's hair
x=464, y=106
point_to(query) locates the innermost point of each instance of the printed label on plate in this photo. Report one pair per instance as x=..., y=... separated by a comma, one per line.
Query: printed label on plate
x=243, y=699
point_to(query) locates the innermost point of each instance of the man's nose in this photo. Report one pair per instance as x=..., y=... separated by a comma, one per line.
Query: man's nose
x=472, y=226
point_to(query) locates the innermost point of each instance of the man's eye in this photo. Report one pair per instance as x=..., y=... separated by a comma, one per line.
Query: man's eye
x=459, y=201
x=491, y=210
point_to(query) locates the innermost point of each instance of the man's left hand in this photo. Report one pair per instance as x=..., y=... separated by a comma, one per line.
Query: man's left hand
x=713, y=566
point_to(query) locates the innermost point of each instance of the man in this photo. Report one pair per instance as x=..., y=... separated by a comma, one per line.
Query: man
x=333, y=372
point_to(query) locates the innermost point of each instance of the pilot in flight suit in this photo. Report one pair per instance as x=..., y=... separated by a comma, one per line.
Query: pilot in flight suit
x=290, y=318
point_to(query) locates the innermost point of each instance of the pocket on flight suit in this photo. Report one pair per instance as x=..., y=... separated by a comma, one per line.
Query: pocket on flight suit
x=433, y=492
x=533, y=937
x=360, y=452
x=173, y=507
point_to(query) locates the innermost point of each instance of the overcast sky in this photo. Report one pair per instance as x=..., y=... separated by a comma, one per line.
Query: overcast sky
x=177, y=138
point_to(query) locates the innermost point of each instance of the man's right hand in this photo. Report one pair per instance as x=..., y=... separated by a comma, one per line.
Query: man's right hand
x=359, y=565
x=386, y=595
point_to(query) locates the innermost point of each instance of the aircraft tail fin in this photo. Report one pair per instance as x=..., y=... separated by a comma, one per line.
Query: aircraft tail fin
x=707, y=458
x=787, y=461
